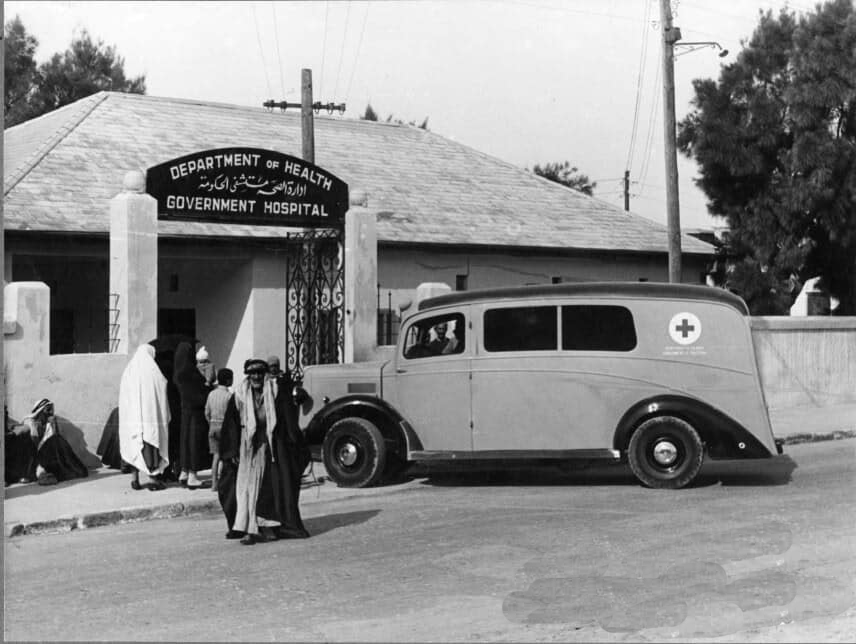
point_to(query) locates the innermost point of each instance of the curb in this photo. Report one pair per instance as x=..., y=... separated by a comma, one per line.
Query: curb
x=172, y=510
x=807, y=437
x=112, y=517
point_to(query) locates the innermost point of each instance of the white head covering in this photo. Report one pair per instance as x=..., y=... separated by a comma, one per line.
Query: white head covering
x=202, y=354
x=143, y=410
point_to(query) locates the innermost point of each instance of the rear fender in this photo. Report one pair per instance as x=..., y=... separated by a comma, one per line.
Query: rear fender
x=722, y=435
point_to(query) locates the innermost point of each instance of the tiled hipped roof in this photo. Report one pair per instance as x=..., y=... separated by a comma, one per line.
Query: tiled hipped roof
x=61, y=170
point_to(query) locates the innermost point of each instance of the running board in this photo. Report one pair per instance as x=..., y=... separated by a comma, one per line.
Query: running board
x=498, y=454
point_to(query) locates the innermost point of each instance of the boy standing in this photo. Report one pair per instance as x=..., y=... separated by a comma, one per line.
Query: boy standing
x=215, y=411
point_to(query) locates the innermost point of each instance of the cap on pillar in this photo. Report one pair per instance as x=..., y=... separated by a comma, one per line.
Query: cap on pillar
x=135, y=181
x=359, y=197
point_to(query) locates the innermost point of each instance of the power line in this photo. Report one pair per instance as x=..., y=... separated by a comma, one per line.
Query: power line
x=357, y=55
x=323, y=49
x=342, y=51
x=640, y=75
x=261, y=51
x=278, y=55
x=646, y=156
x=566, y=9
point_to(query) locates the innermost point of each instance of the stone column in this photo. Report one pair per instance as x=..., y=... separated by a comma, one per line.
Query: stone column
x=360, y=280
x=133, y=299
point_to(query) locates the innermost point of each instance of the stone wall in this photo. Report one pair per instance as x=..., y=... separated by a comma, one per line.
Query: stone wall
x=806, y=361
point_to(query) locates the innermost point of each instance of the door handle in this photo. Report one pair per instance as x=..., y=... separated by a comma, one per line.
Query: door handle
x=400, y=370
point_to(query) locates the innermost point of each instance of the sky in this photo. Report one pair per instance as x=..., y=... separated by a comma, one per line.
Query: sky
x=526, y=81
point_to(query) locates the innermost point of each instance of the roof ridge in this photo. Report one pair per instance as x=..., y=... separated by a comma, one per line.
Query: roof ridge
x=61, y=132
x=294, y=113
x=538, y=177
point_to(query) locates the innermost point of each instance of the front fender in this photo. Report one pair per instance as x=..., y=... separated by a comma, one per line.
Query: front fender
x=721, y=433
x=360, y=405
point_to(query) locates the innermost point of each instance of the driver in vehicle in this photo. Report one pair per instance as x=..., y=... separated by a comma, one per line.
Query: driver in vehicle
x=438, y=344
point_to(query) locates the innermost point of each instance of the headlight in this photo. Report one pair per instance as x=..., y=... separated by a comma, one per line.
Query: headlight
x=300, y=395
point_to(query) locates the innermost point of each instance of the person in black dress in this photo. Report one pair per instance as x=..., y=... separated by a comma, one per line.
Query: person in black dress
x=194, y=428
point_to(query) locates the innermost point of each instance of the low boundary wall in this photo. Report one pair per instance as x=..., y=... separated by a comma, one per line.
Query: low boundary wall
x=806, y=361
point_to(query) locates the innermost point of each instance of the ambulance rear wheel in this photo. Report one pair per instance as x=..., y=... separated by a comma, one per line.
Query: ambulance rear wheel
x=665, y=453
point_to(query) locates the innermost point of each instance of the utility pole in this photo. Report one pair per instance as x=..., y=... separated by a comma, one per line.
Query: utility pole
x=627, y=190
x=307, y=119
x=673, y=214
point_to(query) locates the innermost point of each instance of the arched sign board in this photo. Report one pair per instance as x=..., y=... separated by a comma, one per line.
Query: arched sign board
x=248, y=186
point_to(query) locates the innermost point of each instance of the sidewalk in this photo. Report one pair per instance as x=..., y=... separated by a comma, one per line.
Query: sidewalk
x=105, y=497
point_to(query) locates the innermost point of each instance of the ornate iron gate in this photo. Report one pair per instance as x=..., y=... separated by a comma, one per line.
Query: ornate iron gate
x=314, y=299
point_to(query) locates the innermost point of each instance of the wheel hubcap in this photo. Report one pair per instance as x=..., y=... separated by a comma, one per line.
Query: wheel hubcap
x=665, y=453
x=347, y=454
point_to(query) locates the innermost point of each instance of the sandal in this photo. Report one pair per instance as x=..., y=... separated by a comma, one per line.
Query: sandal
x=248, y=540
x=154, y=486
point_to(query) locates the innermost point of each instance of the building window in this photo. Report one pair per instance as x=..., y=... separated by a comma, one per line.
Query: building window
x=461, y=282
x=388, y=323
x=556, y=279
x=177, y=321
x=78, y=299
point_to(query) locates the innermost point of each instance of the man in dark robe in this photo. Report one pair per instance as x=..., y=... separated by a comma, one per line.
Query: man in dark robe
x=288, y=457
x=230, y=442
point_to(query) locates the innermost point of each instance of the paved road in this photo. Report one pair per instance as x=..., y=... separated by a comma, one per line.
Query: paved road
x=761, y=552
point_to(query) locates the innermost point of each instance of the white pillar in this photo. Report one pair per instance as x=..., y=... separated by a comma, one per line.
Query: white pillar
x=360, y=280
x=133, y=298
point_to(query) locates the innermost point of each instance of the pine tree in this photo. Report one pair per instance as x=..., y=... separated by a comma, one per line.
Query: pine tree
x=567, y=175
x=775, y=141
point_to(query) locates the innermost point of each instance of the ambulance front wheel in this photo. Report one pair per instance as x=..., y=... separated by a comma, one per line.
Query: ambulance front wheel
x=354, y=453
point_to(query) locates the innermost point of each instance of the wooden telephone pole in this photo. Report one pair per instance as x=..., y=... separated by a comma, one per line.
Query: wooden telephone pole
x=307, y=118
x=673, y=215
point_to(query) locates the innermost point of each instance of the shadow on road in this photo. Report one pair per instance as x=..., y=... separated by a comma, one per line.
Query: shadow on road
x=493, y=474
x=762, y=472
x=326, y=523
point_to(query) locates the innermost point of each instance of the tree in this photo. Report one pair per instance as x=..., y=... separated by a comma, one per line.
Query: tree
x=19, y=67
x=85, y=68
x=775, y=141
x=567, y=175
x=371, y=115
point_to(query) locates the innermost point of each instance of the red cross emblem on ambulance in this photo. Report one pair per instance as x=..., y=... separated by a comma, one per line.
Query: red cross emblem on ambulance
x=684, y=328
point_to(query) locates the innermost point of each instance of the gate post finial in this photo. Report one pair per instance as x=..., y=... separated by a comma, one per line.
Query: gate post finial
x=134, y=181
x=359, y=198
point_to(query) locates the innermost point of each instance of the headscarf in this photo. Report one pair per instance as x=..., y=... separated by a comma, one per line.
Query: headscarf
x=143, y=410
x=246, y=409
x=202, y=354
x=40, y=433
